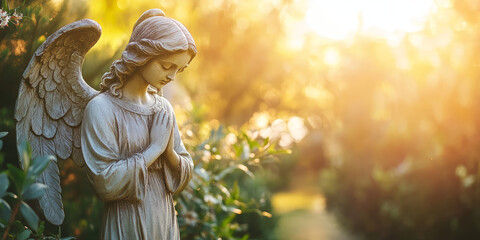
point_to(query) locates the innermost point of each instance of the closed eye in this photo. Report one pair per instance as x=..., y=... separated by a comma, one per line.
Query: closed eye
x=166, y=65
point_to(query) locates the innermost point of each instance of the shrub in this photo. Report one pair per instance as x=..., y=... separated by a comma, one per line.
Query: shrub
x=17, y=219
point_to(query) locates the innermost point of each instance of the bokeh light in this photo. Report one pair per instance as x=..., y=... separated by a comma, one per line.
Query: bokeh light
x=381, y=18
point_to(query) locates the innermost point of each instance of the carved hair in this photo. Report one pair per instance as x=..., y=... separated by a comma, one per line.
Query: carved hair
x=153, y=35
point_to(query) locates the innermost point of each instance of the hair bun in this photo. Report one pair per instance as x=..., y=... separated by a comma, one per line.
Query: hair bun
x=148, y=14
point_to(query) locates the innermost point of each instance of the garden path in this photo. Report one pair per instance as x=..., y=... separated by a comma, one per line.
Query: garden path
x=302, y=216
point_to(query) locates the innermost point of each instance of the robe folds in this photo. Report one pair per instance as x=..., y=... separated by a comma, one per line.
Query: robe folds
x=138, y=200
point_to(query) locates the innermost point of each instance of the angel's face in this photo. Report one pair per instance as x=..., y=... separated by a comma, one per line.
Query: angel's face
x=162, y=70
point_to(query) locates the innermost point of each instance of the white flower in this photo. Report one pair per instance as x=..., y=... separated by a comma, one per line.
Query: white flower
x=4, y=21
x=4, y=18
x=3, y=13
x=17, y=17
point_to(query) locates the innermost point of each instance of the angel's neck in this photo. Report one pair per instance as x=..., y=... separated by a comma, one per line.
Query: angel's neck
x=135, y=91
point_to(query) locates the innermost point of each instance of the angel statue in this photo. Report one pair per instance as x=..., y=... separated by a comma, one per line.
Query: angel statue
x=126, y=135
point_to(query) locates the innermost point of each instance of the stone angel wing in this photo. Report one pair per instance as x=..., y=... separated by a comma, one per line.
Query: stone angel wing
x=50, y=105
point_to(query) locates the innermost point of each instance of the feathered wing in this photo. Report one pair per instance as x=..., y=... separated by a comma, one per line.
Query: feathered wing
x=50, y=105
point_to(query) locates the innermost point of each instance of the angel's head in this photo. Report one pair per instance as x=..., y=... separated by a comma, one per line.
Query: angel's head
x=154, y=36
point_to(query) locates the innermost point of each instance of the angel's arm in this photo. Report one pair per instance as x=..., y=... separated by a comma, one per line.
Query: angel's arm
x=112, y=177
x=177, y=175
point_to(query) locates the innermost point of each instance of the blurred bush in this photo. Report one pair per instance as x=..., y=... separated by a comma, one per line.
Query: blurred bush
x=402, y=148
x=226, y=183
x=17, y=219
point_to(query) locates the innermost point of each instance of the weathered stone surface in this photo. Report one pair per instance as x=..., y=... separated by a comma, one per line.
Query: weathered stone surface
x=126, y=134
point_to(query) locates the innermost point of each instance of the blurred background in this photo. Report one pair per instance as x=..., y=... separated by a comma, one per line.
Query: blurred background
x=307, y=119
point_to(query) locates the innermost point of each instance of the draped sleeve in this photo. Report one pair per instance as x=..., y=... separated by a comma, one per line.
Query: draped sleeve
x=112, y=177
x=177, y=179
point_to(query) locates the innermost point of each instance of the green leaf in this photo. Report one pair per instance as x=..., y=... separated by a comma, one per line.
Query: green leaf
x=23, y=4
x=245, y=169
x=265, y=141
x=226, y=222
x=25, y=154
x=40, y=229
x=244, y=134
x=223, y=189
x=34, y=191
x=24, y=234
x=230, y=169
x=238, y=149
x=254, y=144
x=224, y=172
x=3, y=184
x=39, y=164
x=5, y=210
x=12, y=195
x=235, y=191
x=18, y=177
x=3, y=134
x=279, y=151
x=29, y=215
x=251, y=143
x=67, y=238
x=4, y=5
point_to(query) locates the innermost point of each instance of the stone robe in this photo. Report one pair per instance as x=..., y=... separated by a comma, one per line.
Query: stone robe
x=138, y=200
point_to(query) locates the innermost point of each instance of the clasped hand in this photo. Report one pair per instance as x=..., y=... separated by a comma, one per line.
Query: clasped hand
x=162, y=139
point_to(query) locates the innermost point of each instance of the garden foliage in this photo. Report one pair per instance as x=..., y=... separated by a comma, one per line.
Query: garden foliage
x=402, y=152
x=17, y=187
x=227, y=159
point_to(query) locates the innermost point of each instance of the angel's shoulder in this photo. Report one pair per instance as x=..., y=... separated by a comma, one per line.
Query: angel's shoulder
x=100, y=104
x=164, y=103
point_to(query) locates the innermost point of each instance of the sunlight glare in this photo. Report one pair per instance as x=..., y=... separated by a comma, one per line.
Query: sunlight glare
x=56, y=3
x=333, y=19
x=331, y=57
x=297, y=128
x=261, y=120
x=380, y=18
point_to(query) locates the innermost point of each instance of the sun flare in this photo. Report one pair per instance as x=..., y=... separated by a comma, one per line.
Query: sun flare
x=384, y=18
